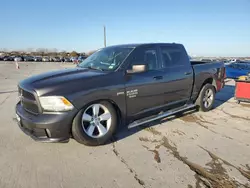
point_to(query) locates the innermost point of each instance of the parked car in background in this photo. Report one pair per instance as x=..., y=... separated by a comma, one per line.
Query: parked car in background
x=8, y=58
x=18, y=58
x=206, y=60
x=236, y=69
x=123, y=85
x=227, y=63
x=56, y=59
x=81, y=58
x=235, y=60
x=45, y=59
x=74, y=60
x=65, y=59
x=61, y=59
x=28, y=58
x=38, y=59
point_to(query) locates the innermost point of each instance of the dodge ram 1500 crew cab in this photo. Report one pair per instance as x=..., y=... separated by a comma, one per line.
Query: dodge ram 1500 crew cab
x=125, y=85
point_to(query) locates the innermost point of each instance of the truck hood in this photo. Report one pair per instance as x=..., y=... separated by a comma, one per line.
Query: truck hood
x=61, y=81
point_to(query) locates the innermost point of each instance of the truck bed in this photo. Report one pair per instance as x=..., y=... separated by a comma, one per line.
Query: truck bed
x=201, y=62
x=203, y=70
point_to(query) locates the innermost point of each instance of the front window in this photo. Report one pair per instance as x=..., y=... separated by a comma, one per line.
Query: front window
x=144, y=56
x=106, y=59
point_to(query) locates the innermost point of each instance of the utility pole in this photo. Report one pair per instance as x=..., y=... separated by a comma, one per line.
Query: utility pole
x=104, y=30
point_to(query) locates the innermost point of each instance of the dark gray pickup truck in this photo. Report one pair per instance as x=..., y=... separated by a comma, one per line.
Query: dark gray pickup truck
x=123, y=85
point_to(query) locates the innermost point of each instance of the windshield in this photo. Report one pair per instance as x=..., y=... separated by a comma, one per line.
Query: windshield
x=107, y=58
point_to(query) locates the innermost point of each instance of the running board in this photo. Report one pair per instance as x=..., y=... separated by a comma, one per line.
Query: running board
x=160, y=116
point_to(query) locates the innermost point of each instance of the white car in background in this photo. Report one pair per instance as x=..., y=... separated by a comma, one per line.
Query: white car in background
x=234, y=61
x=18, y=59
x=45, y=59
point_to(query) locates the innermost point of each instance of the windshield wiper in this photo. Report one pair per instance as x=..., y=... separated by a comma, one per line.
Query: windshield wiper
x=94, y=68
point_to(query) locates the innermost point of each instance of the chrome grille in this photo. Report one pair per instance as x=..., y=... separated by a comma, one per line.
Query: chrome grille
x=28, y=101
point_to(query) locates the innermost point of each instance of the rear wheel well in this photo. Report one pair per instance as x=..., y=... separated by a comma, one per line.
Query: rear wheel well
x=209, y=81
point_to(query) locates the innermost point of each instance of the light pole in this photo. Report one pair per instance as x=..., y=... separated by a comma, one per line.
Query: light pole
x=104, y=30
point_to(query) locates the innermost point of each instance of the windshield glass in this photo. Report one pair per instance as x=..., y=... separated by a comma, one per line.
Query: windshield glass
x=107, y=58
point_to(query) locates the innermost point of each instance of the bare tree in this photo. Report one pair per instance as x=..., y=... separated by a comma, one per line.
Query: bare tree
x=91, y=52
x=74, y=54
x=41, y=51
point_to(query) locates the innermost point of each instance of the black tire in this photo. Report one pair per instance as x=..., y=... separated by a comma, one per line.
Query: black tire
x=199, y=101
x=82, y=137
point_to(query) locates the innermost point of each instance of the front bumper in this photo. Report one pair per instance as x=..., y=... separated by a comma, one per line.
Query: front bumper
x=48, y=127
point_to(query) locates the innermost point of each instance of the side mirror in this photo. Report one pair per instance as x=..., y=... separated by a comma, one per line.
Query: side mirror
x=137, y=69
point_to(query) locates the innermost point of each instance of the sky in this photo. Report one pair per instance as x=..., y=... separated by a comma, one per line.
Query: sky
x=205, y=27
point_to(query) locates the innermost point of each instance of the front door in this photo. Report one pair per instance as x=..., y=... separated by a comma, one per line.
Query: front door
x=144, y=91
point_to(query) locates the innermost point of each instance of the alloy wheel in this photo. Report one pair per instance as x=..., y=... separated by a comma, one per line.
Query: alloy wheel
x=96, y=120
x=208, y=98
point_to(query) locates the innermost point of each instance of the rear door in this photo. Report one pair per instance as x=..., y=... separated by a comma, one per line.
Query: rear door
x=178, y=74
x=144, y=91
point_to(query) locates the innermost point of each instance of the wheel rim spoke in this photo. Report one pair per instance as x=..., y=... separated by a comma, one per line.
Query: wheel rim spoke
x=105, y=117
x=208, y=98
x=86, y=117
x=102, y=130
x=96, y=109
x=90, y=130
x=211, y=97
x=209, y=94
x=209, y=101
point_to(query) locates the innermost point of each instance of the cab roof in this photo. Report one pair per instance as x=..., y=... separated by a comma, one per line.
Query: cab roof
x=142, y=44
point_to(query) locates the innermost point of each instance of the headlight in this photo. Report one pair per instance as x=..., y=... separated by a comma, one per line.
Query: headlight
x=55, y=103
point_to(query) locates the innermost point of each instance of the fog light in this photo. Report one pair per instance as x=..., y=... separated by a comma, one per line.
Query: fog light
x=48, y=133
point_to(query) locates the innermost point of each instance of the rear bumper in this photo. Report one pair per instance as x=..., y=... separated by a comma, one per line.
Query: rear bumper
x=50, y=127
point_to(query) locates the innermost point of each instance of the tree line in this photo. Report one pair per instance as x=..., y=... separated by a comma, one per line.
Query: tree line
x=44, y=52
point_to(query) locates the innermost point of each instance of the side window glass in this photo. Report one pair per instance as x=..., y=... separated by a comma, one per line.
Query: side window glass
x=151, y=59
x=144, y=56
x=171, y=56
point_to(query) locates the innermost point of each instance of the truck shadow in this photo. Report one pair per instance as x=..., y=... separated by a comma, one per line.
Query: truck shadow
x=122, y=133
x=4, y=92
x=226, y=94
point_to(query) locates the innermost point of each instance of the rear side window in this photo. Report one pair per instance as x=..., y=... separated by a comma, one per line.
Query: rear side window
x=172, y=56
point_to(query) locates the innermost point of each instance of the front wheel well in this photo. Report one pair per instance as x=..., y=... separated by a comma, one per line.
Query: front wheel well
x=119, y=114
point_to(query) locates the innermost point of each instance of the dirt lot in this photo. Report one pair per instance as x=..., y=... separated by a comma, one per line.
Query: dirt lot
x=196, y=150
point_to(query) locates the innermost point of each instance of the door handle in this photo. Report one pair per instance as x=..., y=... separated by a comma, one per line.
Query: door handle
x=158, y=77
x=188, y=73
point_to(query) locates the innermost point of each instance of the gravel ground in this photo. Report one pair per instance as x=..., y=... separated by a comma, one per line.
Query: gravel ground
x=195, y=150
